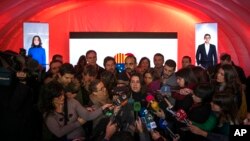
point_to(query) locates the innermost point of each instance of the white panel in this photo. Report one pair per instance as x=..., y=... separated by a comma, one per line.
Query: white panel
x=110, y=47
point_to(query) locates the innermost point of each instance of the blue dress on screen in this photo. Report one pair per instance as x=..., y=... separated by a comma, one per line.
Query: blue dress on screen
x=38, y=54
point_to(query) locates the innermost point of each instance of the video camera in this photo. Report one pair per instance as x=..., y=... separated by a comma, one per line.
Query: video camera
x=122, y=94
x=120, y=100
x=9, y=65
x=12, y=62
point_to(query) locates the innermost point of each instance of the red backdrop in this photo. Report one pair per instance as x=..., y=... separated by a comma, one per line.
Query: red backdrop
x=178, y=16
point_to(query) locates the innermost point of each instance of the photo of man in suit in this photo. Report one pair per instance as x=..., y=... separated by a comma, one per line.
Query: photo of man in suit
x=206, y=54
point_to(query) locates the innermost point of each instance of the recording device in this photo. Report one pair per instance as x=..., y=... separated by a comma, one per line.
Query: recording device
x=121, y=100
x=123, y=95
x=122, y=118
x=9, y=65
x=148, y=119
x=11, y=62
x=163, y=124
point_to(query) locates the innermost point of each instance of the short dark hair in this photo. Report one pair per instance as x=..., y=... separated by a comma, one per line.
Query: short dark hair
x=90, y=51
x=90, y=70
x=56, y=56
x=159, y=54
x=207, y=35
x=170, y=63
x=93, y=84
x=55, y=61
x=66, y=68
x=187, y=57
x=131, y=56
x=188, y=75
x=108, y=58
x=225, y=57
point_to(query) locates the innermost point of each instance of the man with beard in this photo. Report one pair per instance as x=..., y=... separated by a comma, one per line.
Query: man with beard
x=130, y=65
x=158, y=68
x=168, y=76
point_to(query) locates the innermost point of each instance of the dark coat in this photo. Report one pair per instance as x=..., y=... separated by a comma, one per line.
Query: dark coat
x=204, y=59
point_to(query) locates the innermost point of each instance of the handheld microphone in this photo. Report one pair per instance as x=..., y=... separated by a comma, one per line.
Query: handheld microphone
x=147, y=118
x=163, y=124
x=137, y=108
x=165, y=90
x=154, y=104
x=182, y=116
x=171, y=111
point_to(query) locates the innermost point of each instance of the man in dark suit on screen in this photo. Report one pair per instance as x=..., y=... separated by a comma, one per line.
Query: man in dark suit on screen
x=206, y=55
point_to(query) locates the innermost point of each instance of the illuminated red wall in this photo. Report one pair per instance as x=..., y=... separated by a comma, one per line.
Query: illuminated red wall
x=179, y=16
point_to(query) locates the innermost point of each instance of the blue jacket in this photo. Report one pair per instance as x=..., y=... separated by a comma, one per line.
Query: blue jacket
x=38, y=54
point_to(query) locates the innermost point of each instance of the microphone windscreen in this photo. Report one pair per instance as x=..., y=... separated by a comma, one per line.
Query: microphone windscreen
x=165, y=89
x=137, y=106
x=149, y=98
x=181, y=114
x=143, y=112
x=163, y=124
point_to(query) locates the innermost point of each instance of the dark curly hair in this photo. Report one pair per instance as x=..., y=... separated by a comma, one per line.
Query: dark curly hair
x=52, y=90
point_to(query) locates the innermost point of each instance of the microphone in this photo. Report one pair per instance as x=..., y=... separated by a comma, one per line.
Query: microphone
x=153, y=103
x=182, y=116
x=107, y=112
x=163, y=101
x=165, y=90
x=137, y=108
x=163, y=124
x=171, y=111
x=147, y=118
